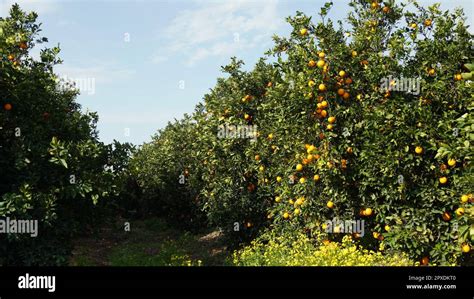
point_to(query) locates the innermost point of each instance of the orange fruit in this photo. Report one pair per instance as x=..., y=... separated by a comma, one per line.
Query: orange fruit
x=297, y=212
x=277, y=199
x=341, y=92
x=346, y=96
x=312, y=63
x=349, y=150
x=321, y=63
x=302, y=180
x=11, y=57
x=330, y=204
x=286, y=215
x=452, y=162
x=331, y=119
x=368, y=212
x=23, y=45
x=428, y=22
x=303, y=31
x=425, y=260
x=269, y=84
x=413, y=26
x=386, y=9
x=458, y=77
x=316, y=178
x=418, y=150
x=431, y=71
x=321, y=55
x=342, y=74
x=443, y=180
x=322, y=87
x=354, y=53
x=348, y=81
x=464, y=198
x=323, y=104
x=446, y=216
x=257, y=157
x=460, y=211
x=311, y=83
x=329, y=127
x=465, y=248
x=7, y=106
x=376, y=235
x=299, y=167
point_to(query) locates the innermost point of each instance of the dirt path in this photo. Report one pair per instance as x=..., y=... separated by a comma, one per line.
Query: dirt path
x=149, y=242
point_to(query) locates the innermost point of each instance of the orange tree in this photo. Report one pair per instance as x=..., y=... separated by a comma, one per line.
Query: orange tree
x=340, y=132
x=51, y=163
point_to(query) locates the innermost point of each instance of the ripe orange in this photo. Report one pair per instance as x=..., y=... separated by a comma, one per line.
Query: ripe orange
x=302, y=180
x=330, y=204
x=346, y=96
x=376, y=235
x=418, y=150
x=452, y=162
x=387, y=228
x=324, y=113
x=261, y=168
x=321, y=55
x=23, y=45
x=458, y=77
x=277, y=199
x=269, y=84
x=316, y=178
x=349, y=150
x=464, y=198
x=322, y=87
x=329, y=127
x=374, y=5
x=299, y=167
x=413, y=26
x=257, y=157
x=342, y=74
x=386, y=9
x=323, y=104
x=11, y=57
x=7, y=106
x=321, y=63
x=348, y=81
x=286, y=215
x=341, y=92
x=278, y=179
x=428, y=22
x=297, y=212
x=446, y=216
x=311, y=83
x=460, y=211
x=425, y=260
x=368, y=212
x=331, y=119
x=466, y=248
x=354, y=53
x=443, y=180
x=431, y=71
x=304, y=31
x=270, y=136
x=312, y=63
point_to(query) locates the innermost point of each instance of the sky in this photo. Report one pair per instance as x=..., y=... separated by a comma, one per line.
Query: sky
x=143, y=63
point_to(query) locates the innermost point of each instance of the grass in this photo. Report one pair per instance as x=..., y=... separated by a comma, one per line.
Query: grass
x=150, y=242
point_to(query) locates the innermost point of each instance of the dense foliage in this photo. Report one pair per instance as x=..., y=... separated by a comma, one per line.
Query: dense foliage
x=53, y=169
x=332, y=141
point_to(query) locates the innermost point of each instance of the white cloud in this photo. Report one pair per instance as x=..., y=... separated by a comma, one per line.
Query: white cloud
x=217, y=29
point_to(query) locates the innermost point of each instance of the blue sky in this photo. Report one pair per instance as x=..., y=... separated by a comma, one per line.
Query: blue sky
x=150, y=61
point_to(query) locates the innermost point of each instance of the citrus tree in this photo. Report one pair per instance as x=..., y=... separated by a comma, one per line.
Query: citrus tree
x=53, y=168
x=369, y=121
